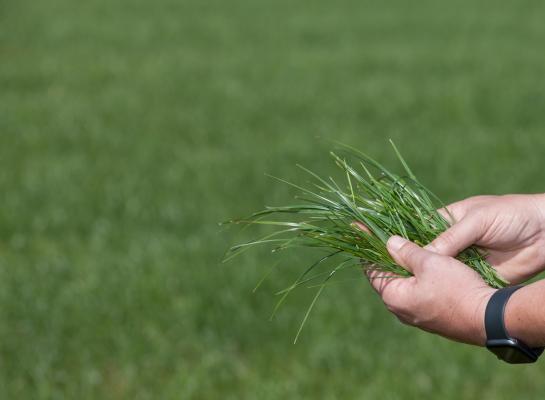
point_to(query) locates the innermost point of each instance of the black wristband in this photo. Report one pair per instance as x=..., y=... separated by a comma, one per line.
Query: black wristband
x=494, y=315
x=498, y=341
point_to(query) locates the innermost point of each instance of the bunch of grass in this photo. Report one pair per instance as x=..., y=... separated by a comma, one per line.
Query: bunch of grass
x=328, y=214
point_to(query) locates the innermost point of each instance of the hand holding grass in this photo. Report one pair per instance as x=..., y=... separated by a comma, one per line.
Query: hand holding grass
x=387, y=204
x=443, y=296
x=510, y=229
x=446, y=297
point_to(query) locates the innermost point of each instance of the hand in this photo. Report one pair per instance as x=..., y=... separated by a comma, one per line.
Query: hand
x=444, y=296
x=510, y=229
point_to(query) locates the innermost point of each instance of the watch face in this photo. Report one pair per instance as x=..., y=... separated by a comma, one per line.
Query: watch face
x=511, y=355
x=511, y=352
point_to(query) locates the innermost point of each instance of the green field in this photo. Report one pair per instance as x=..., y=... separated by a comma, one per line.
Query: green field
x=128, y=129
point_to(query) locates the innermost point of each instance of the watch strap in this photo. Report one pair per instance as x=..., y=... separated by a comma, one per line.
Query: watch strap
x=494, y=323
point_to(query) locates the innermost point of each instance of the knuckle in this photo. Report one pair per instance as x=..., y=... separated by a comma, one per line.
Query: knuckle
x=388, y=302
x=429, y=262
x=446, y=239
x=445, y=243
x=409, y=251
x=392, y=303
x=408, y=319
x=395, y=302
x=477, y=199
x=484, y=197
x=415, y=257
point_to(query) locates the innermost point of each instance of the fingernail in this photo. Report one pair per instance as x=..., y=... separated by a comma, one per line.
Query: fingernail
x=395, y=243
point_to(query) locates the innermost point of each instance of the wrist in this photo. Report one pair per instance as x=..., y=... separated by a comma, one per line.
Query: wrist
x=522, y=319
x=479, y=331
x=516, y=320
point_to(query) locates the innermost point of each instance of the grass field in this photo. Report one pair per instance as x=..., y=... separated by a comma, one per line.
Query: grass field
x=128, y=129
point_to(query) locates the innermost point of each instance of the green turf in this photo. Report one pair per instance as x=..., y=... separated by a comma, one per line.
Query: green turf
x=128, y=129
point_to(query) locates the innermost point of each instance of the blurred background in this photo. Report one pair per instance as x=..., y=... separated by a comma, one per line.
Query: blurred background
x=129, y=129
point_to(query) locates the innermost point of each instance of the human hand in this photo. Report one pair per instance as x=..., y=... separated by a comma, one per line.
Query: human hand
x=443, y=296
x=510, y=229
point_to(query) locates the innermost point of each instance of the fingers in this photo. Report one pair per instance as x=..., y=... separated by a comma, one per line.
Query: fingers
x=379, y=279
x=399, y=293
x=392, y=288
x=458, y=237
x=448, y=214
x=409, y=255
x=456, y=211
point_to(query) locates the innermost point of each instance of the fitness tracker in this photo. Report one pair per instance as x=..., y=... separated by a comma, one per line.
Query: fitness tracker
x=498, y=341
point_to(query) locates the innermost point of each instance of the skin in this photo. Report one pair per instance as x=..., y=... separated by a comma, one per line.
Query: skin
x=448, y=298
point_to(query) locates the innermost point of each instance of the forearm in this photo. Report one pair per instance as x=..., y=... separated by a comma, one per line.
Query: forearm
x=525, y=314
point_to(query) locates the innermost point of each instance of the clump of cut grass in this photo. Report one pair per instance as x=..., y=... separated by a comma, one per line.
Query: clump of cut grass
x=328, y=214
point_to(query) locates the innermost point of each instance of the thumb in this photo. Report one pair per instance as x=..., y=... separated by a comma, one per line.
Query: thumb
x=457, y=238
x=409, y=255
